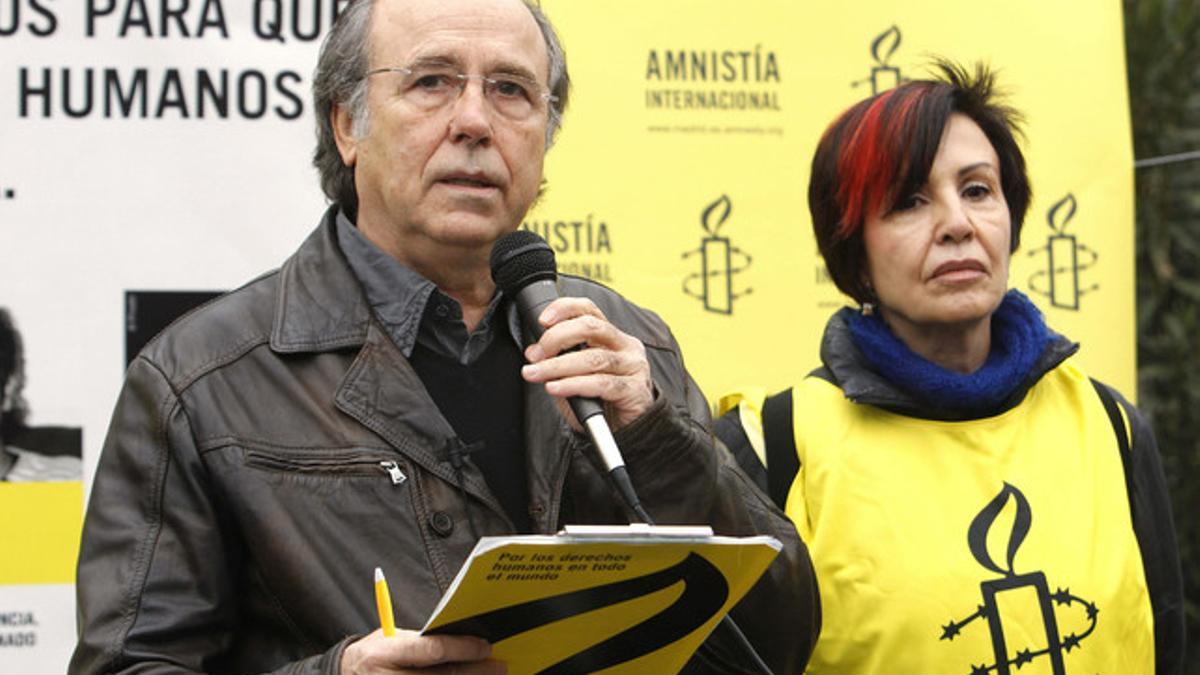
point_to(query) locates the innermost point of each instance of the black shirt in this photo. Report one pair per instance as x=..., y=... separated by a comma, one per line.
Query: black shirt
x=473, y=377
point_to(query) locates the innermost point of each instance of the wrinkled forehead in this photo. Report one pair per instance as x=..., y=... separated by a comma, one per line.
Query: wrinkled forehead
x=475, y=35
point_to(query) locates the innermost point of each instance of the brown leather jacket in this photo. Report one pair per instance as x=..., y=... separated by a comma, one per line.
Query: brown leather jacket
x=241, y=502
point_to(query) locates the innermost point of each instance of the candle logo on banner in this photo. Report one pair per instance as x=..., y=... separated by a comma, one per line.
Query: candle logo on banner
x=719, y=261
x=883, y=75
x=1065, y=259
x=1011, y=588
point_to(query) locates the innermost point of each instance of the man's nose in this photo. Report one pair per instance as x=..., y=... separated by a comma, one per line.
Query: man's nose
x=471, y=115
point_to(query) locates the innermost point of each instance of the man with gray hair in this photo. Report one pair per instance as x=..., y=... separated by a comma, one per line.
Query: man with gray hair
x=375, y=401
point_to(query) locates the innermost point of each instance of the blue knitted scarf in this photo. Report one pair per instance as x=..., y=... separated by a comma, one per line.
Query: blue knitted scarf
x=1019, y=336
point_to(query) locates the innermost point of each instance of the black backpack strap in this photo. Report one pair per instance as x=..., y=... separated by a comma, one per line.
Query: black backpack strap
x=780, y=442
x=1118, y=424
x=728, y=428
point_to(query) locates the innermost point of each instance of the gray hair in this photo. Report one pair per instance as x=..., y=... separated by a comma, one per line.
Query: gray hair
x=340, y=80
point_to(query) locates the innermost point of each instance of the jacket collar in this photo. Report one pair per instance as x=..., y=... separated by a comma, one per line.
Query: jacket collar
x=320, y=306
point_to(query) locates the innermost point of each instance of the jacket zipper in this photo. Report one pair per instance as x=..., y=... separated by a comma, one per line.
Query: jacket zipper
x=393, y=471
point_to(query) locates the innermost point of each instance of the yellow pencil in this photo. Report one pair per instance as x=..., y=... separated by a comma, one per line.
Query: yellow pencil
x=383, y=603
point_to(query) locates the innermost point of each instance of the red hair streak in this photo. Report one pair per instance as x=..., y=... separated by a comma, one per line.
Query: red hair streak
x=875, y=154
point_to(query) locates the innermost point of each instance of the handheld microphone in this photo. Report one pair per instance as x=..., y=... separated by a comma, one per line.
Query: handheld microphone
x=523, y=268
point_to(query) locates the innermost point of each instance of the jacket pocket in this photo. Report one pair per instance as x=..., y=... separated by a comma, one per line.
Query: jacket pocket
x=331, y=463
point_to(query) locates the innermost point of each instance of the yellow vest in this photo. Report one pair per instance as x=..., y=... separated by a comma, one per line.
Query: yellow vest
x=971, y=547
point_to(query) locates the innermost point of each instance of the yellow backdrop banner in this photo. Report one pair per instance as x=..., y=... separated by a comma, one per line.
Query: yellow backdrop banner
x=681, y=173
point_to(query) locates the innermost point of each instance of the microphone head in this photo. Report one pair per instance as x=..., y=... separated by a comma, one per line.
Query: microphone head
x=520, y=258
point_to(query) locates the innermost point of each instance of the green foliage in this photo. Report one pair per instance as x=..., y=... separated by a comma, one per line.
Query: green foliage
x=1163, y=52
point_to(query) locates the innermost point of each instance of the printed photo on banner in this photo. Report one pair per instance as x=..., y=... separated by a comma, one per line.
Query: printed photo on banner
x=30, y=453
x=148, y=312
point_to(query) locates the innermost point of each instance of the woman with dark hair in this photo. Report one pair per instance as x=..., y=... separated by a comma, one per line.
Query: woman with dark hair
x=17, y=463
x=972, y=501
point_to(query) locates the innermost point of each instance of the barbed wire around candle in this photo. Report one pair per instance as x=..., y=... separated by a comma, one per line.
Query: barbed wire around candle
x=1066, y=258
x=720, y=261
x=1010, y=581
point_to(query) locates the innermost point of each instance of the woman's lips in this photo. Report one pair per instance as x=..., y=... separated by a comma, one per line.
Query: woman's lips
x=959, y=270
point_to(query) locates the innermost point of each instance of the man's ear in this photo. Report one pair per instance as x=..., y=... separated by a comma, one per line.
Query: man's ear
x=343, y=133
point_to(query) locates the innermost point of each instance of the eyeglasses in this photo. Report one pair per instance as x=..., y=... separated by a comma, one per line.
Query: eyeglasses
x=430, y=88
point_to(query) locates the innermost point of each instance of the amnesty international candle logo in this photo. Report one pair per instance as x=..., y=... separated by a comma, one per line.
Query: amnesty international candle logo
x=883, y=75
x=582, y=245
x=1017, y=607
x=719, y=261
x=1065, y=258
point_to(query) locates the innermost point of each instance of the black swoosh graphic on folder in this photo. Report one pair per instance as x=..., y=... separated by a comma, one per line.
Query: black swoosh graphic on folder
x=704, y=593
